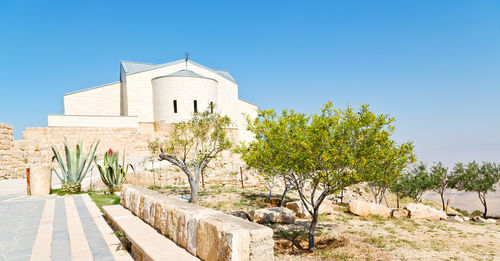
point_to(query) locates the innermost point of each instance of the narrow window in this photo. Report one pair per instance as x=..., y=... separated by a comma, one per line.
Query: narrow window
x=195, y=106
x=211, y=107
x=175, y=106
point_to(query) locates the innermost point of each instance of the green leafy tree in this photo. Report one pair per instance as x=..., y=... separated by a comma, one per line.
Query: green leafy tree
x=441, y=180
x=386, y=165
x=323, y=153
x=416, y=182
x=263, y=155
x=479, y=178
x=398, y=187
x=191, y=145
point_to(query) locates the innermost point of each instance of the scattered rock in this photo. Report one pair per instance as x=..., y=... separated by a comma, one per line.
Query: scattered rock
x=365, y=209
x=453, y=212
x=484, y=220
x=298, y=208
x=326, y=207
x=241, y=214
x=478, y=219
x=491, y=221
x=466, y=218
x=399, y=213
x=455, y=218
x=272, y=215
x=421, y=211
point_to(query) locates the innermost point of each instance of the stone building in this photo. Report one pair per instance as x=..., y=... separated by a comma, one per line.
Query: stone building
x=127, y=114
x=148, y=96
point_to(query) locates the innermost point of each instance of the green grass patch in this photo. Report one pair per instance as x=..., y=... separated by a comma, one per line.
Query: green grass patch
x=62, y=193
x=104, y=199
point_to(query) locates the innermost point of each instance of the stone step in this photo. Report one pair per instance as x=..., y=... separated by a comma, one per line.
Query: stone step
x=147, y=243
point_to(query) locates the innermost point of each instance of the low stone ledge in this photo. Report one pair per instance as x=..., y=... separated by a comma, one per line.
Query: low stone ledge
x=146, y=244
x=206, y=233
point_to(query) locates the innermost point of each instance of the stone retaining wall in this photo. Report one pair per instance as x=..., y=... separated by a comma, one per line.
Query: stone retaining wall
x=11, y=162
x=206, y=233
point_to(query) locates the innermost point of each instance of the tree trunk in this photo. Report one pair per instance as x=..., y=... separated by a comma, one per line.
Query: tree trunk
x=282, y=202
x=194, y=191
x=483, y=200
x=312, y=229
x=342, y=196
x=397, y=200
x=442, y=201
x=202, y=180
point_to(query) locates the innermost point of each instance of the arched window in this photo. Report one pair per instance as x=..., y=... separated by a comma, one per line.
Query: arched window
x=195, y=104
x=211, y=107
x=175, y=106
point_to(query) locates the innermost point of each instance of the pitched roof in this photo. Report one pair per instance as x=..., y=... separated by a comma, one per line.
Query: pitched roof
x=185, y=73
x=135, y=67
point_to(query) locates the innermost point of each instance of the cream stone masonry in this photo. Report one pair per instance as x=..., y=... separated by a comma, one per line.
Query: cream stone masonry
x=93, y=121
x=206, y=233
x=156, y=94
x=11, y=160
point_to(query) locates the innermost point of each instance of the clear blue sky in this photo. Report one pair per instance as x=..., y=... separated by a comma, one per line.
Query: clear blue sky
x=434, y=65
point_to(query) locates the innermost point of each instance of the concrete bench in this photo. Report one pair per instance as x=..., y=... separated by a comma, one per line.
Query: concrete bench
x=146, y=242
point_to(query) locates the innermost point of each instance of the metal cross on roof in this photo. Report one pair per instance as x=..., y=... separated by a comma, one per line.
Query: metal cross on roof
x=186, y=59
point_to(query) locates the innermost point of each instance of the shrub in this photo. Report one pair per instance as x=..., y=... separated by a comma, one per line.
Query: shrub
x=76, y=166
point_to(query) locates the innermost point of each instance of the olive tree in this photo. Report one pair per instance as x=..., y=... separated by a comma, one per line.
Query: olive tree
x=479, y=178
x=191, y=145
x=417, y=181
x=323, y=153
x=441, y=180
x=386, y=165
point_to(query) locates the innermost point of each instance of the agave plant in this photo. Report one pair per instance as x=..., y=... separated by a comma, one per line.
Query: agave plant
x=75, y=167
x=112, y=173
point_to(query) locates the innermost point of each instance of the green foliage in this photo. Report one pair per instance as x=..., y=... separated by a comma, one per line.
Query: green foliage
x=112, y=173
x=386, y=165
x=441, y=180
x=193, y=144
x=479, y=178
x=413, y=183
x=75, y=167
x=104, y=200
x=327, y=151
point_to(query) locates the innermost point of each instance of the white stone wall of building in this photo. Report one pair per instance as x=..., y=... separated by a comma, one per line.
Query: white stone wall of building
x=184, y=90
x=93, y=121
x=102, y=100
x=140, y=91
x=245, y=109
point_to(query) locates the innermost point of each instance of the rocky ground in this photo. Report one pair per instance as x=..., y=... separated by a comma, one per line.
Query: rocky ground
x=344, y=236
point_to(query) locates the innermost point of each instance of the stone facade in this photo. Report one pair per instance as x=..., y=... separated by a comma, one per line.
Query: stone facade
x=11, y=161
x=206, y=233
x=157, y=94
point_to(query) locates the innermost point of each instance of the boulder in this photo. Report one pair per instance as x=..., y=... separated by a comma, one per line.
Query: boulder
x=327, y=207
x=365, y=209
x=484, y=220
x=466, y=218
x=421, y=211
x=399, y=213
x=298, y=208
x=272, y=215
x=490, y=221
x=455, y=218
x=241, y=214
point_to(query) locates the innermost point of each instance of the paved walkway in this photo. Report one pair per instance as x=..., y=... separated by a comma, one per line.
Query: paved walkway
x=53, y=227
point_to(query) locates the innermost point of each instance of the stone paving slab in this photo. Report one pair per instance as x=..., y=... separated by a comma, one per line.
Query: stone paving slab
x=71, y=225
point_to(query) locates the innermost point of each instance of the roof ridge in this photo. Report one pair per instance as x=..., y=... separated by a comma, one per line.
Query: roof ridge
x=139, y=62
